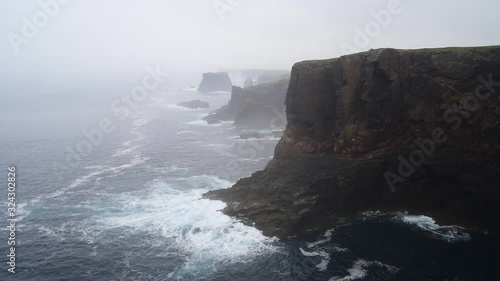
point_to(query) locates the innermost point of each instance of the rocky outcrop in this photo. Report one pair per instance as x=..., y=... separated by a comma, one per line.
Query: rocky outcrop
x=388, y=130
x=248, y=82
x=256, y=107
x=270, y=76
x=213, y=82
x=194, y=104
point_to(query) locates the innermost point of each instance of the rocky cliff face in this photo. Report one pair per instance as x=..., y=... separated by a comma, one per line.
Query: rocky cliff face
x=254, y=107
x=212, y=82
x=388, y=130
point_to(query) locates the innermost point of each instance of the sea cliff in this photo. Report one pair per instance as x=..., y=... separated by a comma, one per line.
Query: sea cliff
x=388, y=130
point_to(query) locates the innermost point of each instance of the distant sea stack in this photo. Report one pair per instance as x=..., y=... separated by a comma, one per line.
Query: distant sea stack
x=388, y=130
x=213, y=82
x=248, y=82
x=260, y=106
x=194, y=104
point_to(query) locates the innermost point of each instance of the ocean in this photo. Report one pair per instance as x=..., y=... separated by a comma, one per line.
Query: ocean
x=132, y=208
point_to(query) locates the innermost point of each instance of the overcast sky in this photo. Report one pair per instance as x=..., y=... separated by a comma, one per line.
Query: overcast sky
x=193, y=34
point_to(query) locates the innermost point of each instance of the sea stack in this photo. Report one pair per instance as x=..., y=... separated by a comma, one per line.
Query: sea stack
x=260, y=106
x=248, y=82
x=213, y=82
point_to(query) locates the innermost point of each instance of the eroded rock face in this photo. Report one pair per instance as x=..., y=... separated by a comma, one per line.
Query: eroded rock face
x=389, y=130
x=259, y=106
x=213, y=82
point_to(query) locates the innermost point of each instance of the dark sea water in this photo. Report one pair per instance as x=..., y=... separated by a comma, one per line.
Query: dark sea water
x=132, y=209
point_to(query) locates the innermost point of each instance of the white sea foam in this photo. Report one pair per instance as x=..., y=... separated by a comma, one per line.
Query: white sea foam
x=51, y=232
x=359, y=270
x=325, y=258
x=255, y=159
x=166, y=170
x=264, y=138
x=126, y=151
x=448, y=233
x=218, y=93
x=141, y=121
x=328, y=238
x=203, y=123
x=188, y=133
x=102, y=170
x=451, y=233
x=221, y=148
x=22, y=211
x=181, y=108
x=127, y=143
x=193, y=89
x=174, y=211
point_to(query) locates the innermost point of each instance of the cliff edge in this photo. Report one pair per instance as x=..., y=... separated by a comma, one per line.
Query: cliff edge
x=388, y=130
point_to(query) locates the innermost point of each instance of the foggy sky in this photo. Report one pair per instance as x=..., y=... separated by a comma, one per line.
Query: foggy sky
x=114, y=34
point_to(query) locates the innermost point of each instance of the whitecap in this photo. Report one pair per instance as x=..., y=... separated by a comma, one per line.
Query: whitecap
x=125, y=151
x=189, y=133
x=451, y=233
x=174, y=211
x=328, y=238
x=181, y=108
x=22, y=211
x=45, y=231
x=104, y=170
x=359, y=270
x=203, y=123
x=325, y=257
x=165, y=170
x=323, y=265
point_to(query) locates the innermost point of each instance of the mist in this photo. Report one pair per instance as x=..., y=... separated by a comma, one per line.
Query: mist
x=169, y=140
x=118, y=35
